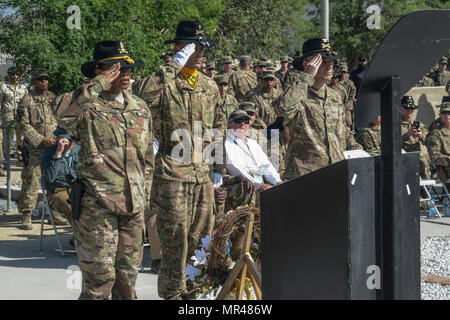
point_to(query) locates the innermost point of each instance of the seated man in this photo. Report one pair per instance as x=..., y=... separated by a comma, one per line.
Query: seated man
x=438, y=144
x=58, y=166
x=244, y=155
x=370, y=137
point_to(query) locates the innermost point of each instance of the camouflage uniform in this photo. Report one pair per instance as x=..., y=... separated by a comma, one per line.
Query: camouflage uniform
x=413, y=144
x=116, y=164
x=36, y=121
x=294, y=75
x=370, y=139
x=349, y=104
x=315, y=119
x=263, y=102
x=439, y=78
x=436, y=124
x=241, y=82
x=10, y=96
x=425, y=82
x=183, y=195
x=223, y=110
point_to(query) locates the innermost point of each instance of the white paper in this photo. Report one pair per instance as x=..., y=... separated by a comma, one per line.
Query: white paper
x=353, y=154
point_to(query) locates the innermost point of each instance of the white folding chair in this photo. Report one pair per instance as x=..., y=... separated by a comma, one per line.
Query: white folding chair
x=48, y=211
x=425, y=184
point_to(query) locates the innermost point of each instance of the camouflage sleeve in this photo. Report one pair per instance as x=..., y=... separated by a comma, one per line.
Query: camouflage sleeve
x=149, y=160
x=425, y=132
x=68, y=108
x=30, y=134
x=290, y=101
x=365, y=139
x=434, y=147
x=231, y=85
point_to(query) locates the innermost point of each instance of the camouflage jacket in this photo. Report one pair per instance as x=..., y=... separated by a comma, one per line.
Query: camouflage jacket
x=10, y=96
x=351, y=91
x=438, y=145
x=440, y=78
x=116, y=144
x=436, y=124
x=370, y=139
x=180, y=116
x=293, y=75
x=242, y=81
x=226, y=106
x=263, y=103
x=425, y=82
x=410, y=143
x=281, y=76
x=315, y=119
x=36, y=120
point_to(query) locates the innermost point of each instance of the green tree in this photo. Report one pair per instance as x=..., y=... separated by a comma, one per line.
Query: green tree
x=349, y=34
x=36, y=32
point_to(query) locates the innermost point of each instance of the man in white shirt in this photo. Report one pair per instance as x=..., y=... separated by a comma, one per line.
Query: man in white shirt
x=244, y=155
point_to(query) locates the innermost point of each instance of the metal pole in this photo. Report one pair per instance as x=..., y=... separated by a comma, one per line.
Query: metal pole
x=324, y=14
x=8, y=169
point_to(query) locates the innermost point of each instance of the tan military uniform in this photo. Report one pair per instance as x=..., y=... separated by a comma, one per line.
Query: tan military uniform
x=116, y=164
x=223, y=110
x=370, y=139
x=315, y=119
x=241, y=82
x=36, y=121
x=438, y=145
x=440, y=78
x=414, y=144
x=263, y=102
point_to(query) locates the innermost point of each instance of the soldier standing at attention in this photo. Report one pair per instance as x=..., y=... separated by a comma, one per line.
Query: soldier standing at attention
x=280, y=74
x=243, y=80
x=227, y=103
x=37, y=123
x=114, y=129
x=183, y=196
x=314, y=115
x=11, y=93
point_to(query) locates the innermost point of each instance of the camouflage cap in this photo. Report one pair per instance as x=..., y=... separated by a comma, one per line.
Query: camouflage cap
x=245, y=59
x=270, y=66
x=263, y=59
x=227, y=59
x=268, y=74
x=284, y=59
x=445, y=99
x=290, y=59
x=443, y=60
x=221, y=79
x=247, y=106
x=37, y=73
x=238, y=114
x=343, y=67
x=255, y=63
x=445, y=107
x=210, y=65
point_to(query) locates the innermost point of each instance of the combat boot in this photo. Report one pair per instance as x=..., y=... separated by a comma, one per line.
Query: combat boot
x=26, y=221
x=59, y=220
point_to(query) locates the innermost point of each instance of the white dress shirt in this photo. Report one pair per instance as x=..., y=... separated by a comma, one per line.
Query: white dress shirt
x=249, y=160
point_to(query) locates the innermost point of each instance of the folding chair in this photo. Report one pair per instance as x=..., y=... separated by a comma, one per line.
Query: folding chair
x=428, y=183
x=49, y=212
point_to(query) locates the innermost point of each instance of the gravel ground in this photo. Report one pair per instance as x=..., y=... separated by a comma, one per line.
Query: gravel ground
x=435, y=260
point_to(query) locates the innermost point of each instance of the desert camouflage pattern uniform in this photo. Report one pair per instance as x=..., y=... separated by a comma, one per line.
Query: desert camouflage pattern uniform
x=440, y=78
x=370, y=139
x=263, y=103
x=116, y=164
x=438, y=145
x=223, y=110
x=293, y=75
x=10, y=97
x=315, y=119
x=36, y=122
x=349, y=104
x=183, y=192
x=413, y=144
x=241, y=82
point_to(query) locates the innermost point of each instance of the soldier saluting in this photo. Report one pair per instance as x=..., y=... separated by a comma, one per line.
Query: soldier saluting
x=114, y=129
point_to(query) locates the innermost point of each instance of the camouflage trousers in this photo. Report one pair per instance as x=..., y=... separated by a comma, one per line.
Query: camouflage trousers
x=31, y=175
x=424, y=159
x=19, y=141
x=349, y=119
x=184, y=216
x=109, y=249
x=58, y=202
x=153, y=237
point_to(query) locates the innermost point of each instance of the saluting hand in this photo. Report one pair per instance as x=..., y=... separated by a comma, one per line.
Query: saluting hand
x=313, y=65
x=112, y=73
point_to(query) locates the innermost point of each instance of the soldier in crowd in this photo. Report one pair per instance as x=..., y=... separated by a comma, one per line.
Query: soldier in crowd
x=358, y=74
x=438, y=144
x=37, y=123
x=228, y=103
x=290, y=60
x=227, y=66
x=278, y=87
x=414, y=134
x=370, y=137
x=211, y=69
x=296, y=73
x=243, y=80
x=437, y=124
x=351, y=95
x=58, y=165
x=263, y=97
x=440, y=76
x=116, y=157
x=183, y=195
x=314, y=114
x=11, y=93
x=255, y=122
x=284, y=66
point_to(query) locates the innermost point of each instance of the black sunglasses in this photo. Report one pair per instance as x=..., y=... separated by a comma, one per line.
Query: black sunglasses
x=250, y=113
x=239, y=121
x=446, y=113
x=42, y=78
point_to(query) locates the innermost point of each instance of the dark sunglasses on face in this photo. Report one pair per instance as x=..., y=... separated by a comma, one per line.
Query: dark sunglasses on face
x=447, y=113
x=239, y=121
x=223, y=84
x=42, y=78
x=250, y=113
x=228, y=62
x=268, y=79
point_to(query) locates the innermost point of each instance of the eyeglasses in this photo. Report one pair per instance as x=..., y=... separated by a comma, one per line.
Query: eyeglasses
x=239, y=121
x=250, y=113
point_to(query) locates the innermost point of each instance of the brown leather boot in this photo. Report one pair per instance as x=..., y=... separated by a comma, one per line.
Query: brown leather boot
x=26, y=221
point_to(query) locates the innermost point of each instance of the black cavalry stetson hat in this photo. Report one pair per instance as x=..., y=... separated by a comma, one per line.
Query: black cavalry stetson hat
x=109, y=52
x=408, y=103
x=319, y=45
x=191, y=32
